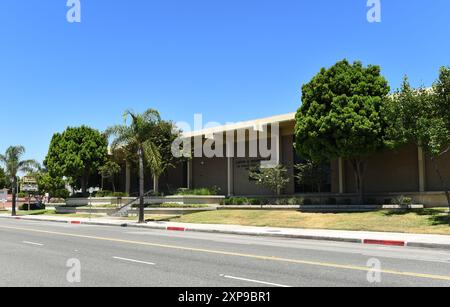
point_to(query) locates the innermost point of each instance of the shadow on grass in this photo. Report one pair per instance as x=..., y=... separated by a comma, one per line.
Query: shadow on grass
x=436, y=217
x=421, y=212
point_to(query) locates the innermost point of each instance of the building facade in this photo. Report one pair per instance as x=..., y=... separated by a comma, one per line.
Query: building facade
x=406, y=171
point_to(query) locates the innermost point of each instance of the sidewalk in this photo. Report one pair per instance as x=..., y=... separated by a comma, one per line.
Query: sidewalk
x=361, y=237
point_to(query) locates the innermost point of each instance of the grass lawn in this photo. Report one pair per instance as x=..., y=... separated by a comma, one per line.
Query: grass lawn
x=426, y=221
x=153, y=217
x=35, y=212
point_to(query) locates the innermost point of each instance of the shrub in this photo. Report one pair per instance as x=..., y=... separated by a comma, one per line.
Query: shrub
x=402, y=200
x=295, y=201
x=255, y=202
x=22, y=195
x=199, y=192
x=33, y=206
x=282, y=201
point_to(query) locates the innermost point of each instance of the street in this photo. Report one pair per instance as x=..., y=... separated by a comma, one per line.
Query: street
x=42, y=254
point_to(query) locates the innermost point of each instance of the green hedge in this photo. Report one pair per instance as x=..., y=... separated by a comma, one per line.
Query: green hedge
x=33, y=206
x=244, y=201
x=198, y=192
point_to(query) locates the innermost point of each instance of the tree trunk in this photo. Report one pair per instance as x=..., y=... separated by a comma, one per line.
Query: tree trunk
x=155, y=184
x=441, y=179
x=14, y=184
x=141, y=186
x=83, y=182
x=359, y=167
x=127, y=178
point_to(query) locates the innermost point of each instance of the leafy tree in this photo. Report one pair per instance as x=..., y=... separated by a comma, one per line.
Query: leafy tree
x=54, y=186
x=108, y=171
x=164, y=135
x=138, y=134
x=421, y=116
x=312, y=174
x=3, y=180
x=13, y=165
x=274, y=178
x=76, y=154
x=342, y=116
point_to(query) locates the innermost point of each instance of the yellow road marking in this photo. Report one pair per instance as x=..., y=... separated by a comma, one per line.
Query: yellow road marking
x=251, y=256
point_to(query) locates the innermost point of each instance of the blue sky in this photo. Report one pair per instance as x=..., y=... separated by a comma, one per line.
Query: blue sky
x=227, y=59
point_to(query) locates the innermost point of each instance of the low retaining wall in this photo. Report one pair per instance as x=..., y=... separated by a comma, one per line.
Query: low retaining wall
x=168, y=211
x=185, y=200
x=428, y=199
x=176, y=199
x=173, y=211
x=98, y=201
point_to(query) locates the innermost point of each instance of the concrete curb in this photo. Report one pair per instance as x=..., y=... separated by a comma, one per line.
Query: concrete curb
x=247, y=233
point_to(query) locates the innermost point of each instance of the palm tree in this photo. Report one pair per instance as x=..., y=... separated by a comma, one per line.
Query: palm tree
x=138, y=134
x=13, y=165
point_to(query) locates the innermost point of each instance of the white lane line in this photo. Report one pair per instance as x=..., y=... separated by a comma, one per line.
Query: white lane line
x=32, y=243
x=254, y=281
x=132, y=260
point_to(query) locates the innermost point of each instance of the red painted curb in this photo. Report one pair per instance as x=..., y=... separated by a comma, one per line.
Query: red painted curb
x=17, y=218
x=75, y=222
x=384, y=242
x=176, y=228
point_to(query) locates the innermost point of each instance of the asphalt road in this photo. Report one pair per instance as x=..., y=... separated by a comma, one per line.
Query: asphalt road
x=46, y=254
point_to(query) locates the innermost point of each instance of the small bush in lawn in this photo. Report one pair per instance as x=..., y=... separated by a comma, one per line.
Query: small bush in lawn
x=226, y=202
x=22, y=195
x=33, y=206
x=295, y=201
x=255, y=202
x=403, y=200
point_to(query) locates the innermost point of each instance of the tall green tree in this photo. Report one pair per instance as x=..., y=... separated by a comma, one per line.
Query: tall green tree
x=164, y=135
x=342, y=116
x=76, y=154
x=138, y=134
x=421, y=116
x=3, y=180
x=13, y=165
x=55, y=187
x=108, y=171
x=312, y=174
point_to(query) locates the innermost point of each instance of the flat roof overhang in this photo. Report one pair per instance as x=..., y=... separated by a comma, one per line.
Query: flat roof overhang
x=257, y=125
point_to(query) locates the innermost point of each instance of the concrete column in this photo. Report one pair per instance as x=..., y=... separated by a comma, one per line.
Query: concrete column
x=341, y=176
x=422, y=169
x=190, y=183
x=127, y=177
x=230, y=176
x=230, y=162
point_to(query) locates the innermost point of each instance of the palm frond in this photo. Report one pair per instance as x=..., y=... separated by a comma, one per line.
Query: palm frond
x=151, y=115
x=153, y=157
